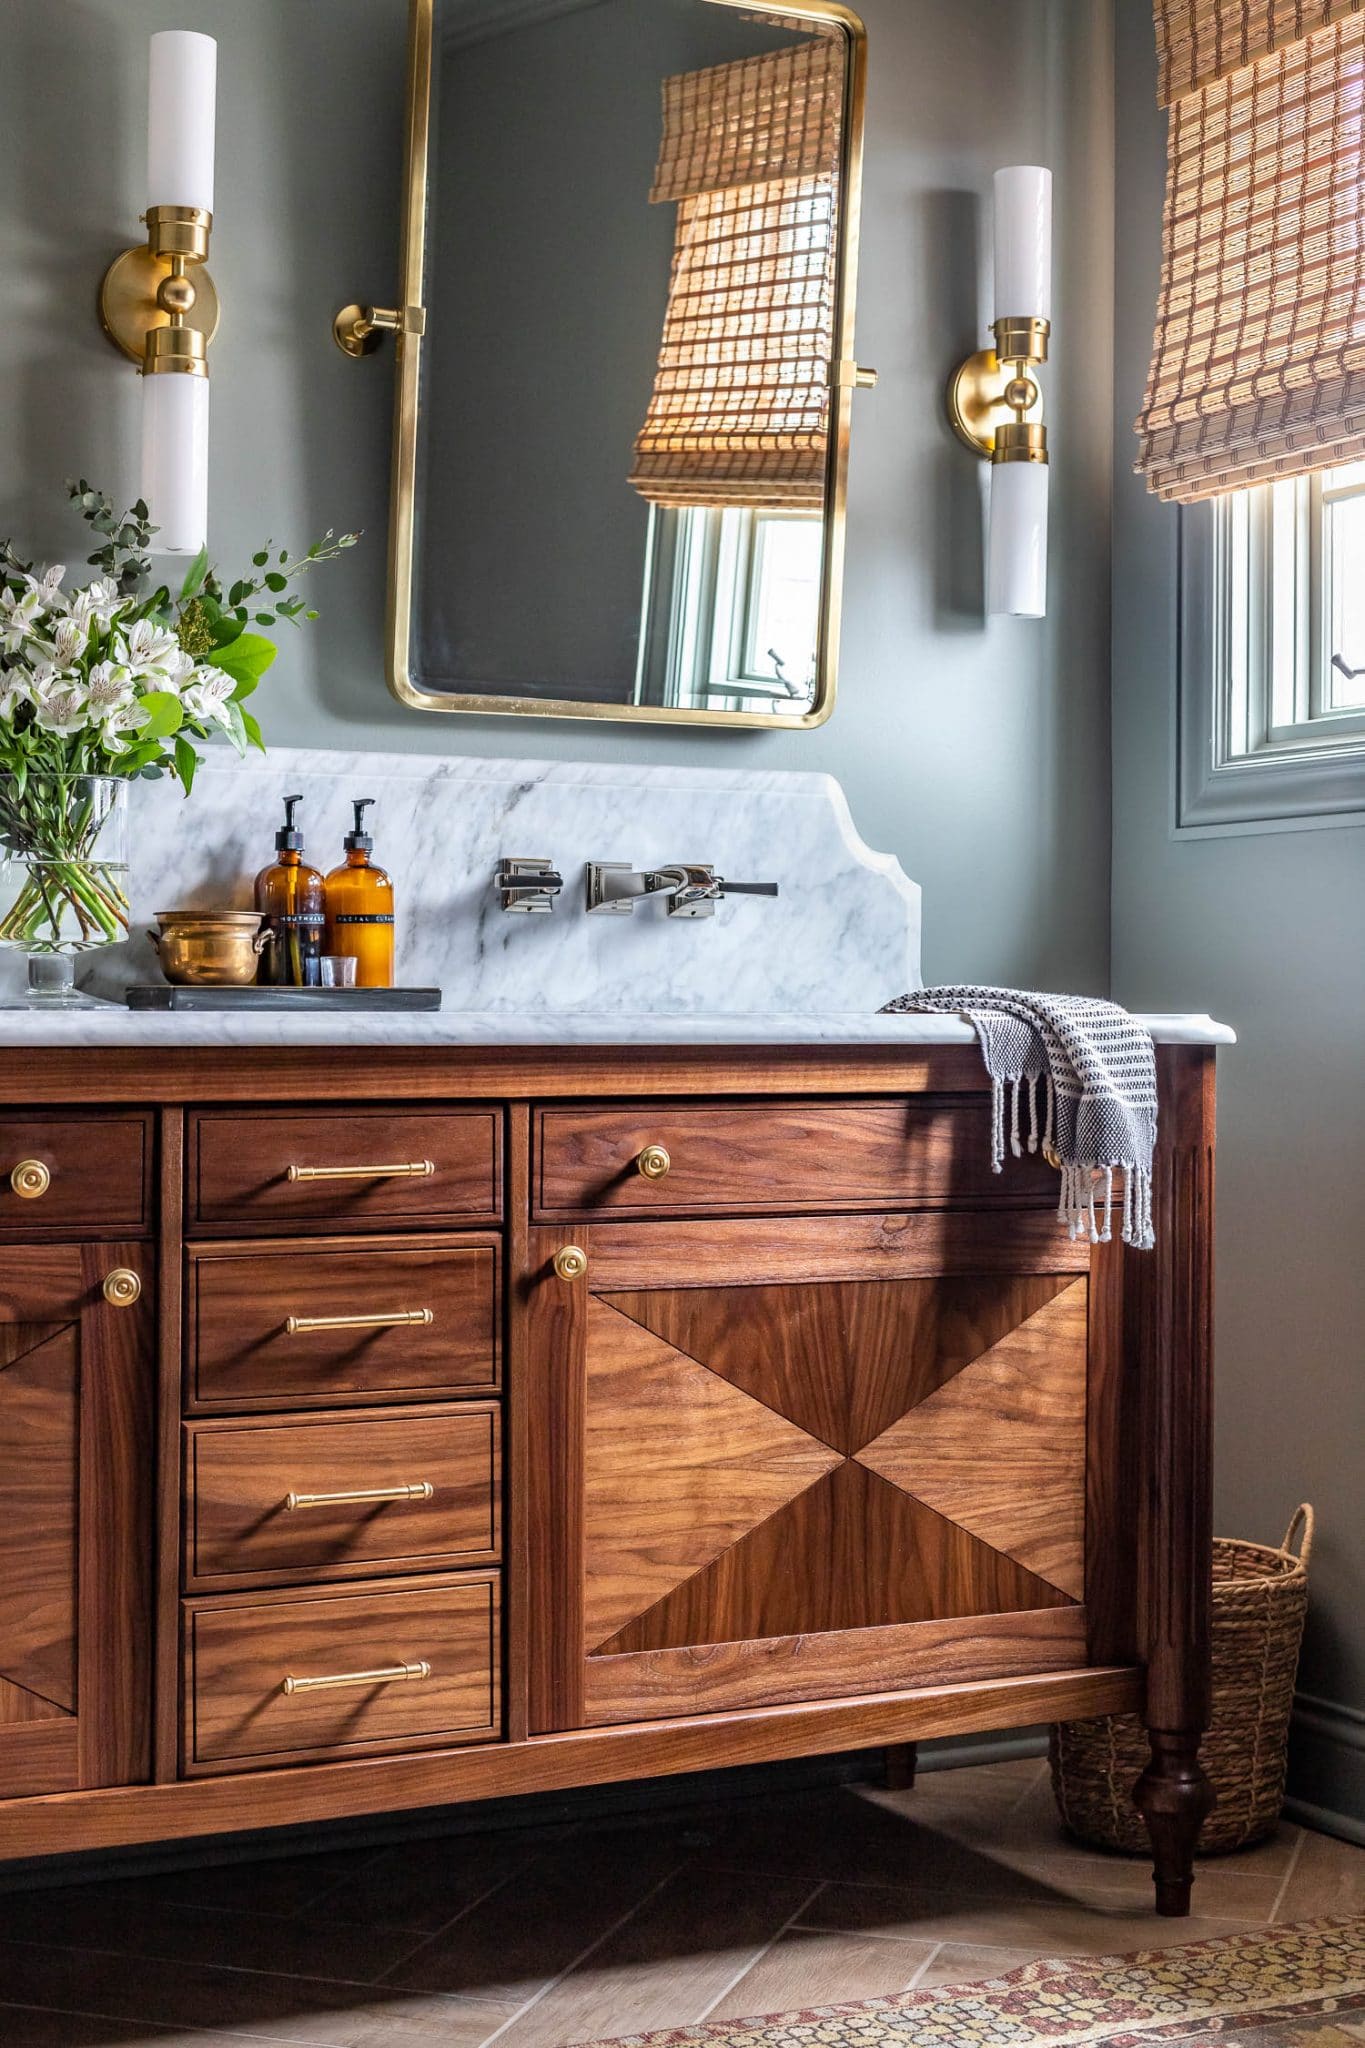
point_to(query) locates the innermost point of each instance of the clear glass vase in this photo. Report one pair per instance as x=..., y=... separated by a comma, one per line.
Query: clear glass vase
x=63, y=874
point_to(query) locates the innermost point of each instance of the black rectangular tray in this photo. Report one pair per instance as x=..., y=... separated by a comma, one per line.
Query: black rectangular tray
x=259, y=997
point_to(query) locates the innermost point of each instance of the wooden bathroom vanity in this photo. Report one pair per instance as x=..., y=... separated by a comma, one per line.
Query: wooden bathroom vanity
x=391, y=1424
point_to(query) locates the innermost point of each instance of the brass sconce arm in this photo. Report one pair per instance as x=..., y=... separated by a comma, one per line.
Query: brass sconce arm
x=994, y=402
x=157, y=302
x=358, y=330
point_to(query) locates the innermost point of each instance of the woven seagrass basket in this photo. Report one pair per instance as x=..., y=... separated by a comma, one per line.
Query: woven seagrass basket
x=1260, y=1596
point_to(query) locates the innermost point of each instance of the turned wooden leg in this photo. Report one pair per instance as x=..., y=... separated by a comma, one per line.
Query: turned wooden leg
x=898, y=1766
x=1168, y=1342
x=1173, y=1796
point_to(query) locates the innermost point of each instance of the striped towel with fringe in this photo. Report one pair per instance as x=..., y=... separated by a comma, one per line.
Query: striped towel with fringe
x=1098, y=1071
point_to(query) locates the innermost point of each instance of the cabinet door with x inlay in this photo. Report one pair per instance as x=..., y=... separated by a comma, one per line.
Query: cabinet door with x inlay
x=76, y=1455
x=803, y=1458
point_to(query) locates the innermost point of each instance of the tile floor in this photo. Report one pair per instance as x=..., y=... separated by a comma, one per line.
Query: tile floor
x=548, y=1936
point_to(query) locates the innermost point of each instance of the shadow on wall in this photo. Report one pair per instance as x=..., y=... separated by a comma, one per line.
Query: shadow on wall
x=67, y=224
x=949, y=233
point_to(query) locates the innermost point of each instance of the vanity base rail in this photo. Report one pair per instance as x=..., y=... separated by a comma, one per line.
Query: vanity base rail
x=49, y=1826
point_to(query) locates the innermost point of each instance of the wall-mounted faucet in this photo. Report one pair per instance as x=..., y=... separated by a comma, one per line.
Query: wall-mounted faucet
x=527, y=885
x=693, y=888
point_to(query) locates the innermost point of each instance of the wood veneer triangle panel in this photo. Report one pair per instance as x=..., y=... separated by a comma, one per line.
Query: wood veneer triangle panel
x=39, y=1477
x=1000, y=1450
x=852, y=1552
x=843, y=1359
x=678, y=1464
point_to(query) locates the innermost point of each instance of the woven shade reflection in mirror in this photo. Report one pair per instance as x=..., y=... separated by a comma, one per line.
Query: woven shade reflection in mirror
x=740, y=412
x=1258, y=363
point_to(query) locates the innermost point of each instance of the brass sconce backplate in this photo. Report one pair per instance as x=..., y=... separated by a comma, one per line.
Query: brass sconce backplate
x=128, y=303
x=979, y=399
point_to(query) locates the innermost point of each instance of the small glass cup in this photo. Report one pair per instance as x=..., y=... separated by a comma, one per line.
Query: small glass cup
x=331, y=970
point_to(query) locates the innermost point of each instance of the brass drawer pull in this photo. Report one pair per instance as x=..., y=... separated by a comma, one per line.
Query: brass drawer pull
x=122, y=1287
x=421, y=1489
x=388, y=1674
x=411, y=1169
x=653, y=1163
x=30, y=1179
x=398, y=1319
x=571, y=1262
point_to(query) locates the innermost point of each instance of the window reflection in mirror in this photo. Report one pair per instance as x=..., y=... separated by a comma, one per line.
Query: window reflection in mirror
x=631, y=274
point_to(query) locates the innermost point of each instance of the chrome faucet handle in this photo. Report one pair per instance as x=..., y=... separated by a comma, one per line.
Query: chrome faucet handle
x=749, y=889
x=693, y=890
x=527, y=885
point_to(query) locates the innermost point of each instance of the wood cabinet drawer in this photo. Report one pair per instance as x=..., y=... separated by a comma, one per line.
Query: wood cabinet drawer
x=778, y=1156
x=407, y=1666
x=335, y=1321
x=261, y=1497
x=90, y=1173
x=380, y=1167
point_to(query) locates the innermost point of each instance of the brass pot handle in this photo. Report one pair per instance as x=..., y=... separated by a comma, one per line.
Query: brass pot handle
x=571, y=1262
x=30, y=1179
x=388, y=1674
x=122, y=1287
x=654, y=1163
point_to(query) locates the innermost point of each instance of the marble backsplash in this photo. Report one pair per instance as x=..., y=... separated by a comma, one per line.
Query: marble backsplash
x=842, y=937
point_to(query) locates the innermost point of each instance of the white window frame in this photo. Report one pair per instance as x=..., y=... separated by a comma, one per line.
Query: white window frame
x=1260, y=739
x=700, y=595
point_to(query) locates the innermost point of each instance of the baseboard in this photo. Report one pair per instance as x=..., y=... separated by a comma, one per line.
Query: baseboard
x=1327, y=1767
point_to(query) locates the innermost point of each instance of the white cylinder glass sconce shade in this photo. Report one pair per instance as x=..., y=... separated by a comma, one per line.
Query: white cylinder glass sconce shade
x=175, y=460
x=1023, y=243
x=180, y=119
x=1016, y=552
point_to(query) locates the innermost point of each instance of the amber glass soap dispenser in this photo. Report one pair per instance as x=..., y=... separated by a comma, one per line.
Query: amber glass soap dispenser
x=360, y=907
x=289, y=895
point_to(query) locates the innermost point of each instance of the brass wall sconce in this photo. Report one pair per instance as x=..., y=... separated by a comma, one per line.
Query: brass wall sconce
x=994, y=401
x=157, y=302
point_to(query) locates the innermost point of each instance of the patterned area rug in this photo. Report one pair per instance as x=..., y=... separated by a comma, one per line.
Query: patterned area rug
x=1286, y=1987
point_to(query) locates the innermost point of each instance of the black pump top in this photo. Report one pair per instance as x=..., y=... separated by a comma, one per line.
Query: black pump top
x=359, y=841
x=289, y=838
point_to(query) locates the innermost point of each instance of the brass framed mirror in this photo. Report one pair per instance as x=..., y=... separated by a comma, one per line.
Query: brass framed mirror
x=625, y=366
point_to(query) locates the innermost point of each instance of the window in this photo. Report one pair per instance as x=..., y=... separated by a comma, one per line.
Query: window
x=732, y=609
x=1273, y=652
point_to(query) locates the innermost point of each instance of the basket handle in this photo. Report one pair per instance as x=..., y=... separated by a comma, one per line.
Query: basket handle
x=1301, y=1524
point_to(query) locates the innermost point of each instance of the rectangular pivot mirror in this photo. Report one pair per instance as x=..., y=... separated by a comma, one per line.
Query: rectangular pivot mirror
x=625, y=358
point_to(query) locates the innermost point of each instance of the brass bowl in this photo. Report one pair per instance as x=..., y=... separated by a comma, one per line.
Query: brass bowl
x=210, y=948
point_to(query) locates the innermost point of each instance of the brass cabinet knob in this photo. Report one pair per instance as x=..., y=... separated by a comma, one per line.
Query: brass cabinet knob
x=653, y=1163
x=571, y=1262
x=30, y=1179
x=122, y=1287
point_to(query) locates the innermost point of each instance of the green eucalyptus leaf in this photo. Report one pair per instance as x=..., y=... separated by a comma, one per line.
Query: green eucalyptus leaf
x=186, y=762
x=252, y=731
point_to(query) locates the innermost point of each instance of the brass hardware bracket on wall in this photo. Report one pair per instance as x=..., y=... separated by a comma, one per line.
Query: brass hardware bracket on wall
x=157, y=303
x=358, y=330
x=994, y=402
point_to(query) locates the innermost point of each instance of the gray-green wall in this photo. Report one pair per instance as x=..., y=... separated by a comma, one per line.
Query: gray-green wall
x=1268, y=930
x=980, y=757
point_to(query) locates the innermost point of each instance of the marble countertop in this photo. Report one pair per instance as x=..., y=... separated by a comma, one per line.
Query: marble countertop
x=114, y=1025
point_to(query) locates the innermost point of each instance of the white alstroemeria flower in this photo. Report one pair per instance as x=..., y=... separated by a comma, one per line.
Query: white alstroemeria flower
x=68, y=642
x=206, y=694
x=49, y=588
x=16, y=688
x=151, y=651
x=58, y=704
x=111, y=690
x=97, y=604
x=21, y=615
x=178, y=670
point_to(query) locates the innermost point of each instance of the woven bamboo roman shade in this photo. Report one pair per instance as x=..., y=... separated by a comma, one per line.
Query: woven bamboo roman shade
x=740, y=409
x=1258, y=365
